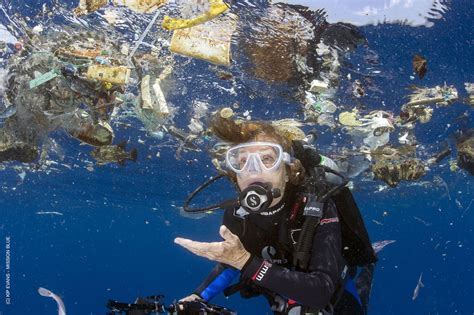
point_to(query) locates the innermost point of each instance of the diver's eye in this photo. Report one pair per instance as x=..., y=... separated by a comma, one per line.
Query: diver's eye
x=268, y=160
x=242, y=161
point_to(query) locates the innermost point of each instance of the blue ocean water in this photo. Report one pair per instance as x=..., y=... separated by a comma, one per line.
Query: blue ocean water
x=113, y=238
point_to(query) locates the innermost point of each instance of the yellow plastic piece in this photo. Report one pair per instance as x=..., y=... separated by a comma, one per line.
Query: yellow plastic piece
x=217, y=7
x=108, y=85
x=109, y=74
x=349, y=119
x=453, y=165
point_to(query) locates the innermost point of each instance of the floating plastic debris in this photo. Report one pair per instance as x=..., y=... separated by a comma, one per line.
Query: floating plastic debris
x=439, y=95
x=389, y=153
x=318, y=86
x=210, y=41
x=318, y=108
x=48, y=76
x=374, y=127
x=153, y=98
x=200, y=112
x=392, y=172
x=49, y=212
x=437, y=180
x=18, y=46
x=59, y=301
x=114, y=154
x=419, y=113
x=8, y=112
x=139, y=6
x=349, y=118
x=13, y=149
x=378, y=246
x=112, y=74
x=438, y=157
x=83, y=128
x=79, y=53
x=142, y=36
x=3, y=47
x=422, y=221
x=89, y=6
x=465, y=149
x=419, y=285
x=357, y=89
x=470, y=90
x=420, y=66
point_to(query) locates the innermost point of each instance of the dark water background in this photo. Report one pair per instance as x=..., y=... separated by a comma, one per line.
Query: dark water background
x=115, y=237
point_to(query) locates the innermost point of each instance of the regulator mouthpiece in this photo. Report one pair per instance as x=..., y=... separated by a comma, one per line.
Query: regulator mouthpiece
x=258, y=197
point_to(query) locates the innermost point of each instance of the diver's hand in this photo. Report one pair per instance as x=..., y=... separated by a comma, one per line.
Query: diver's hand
x=230, y=252
x=191, y=297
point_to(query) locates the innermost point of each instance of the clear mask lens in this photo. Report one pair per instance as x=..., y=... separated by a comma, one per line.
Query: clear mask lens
x=255, y=157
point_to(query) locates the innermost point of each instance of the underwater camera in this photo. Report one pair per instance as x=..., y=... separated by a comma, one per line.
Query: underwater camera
x=154, y=305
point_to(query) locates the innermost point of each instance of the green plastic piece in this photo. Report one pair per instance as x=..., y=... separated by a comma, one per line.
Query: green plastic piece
x=317, y=107
x=45, y=77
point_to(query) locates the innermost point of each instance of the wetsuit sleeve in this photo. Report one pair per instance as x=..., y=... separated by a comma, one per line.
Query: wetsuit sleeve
x=316, y=287
x=220, y=278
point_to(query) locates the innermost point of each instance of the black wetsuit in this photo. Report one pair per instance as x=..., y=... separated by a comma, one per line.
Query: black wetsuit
x=270, y=238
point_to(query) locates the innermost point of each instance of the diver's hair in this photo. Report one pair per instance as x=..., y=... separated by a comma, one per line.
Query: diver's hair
x=236, y=132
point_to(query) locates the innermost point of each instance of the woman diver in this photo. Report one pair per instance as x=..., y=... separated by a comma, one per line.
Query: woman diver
x=262, y=233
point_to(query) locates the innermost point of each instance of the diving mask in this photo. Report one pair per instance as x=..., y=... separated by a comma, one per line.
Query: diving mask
x=256, y=157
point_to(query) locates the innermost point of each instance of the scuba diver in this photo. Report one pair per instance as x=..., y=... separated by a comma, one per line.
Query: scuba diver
x=292, y=237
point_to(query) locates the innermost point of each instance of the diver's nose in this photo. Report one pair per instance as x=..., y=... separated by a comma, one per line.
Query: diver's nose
x=253, y=165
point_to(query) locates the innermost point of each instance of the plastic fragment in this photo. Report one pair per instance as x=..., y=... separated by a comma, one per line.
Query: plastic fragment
x=8, y=112
x=420, y=66
x=470, y=90
x=419, y=285
x=142, y=37
x=3, y=47
x=349, y=119
x=59, y=301
x=89, y=6
x=378, y=246
x=318, y=86
x=153, y=98
x=114, y=74
x=438, y=95
x=48, y=76
x=210, y=41
x=392, y=172
x=357, y=89
x=465, y=158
